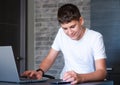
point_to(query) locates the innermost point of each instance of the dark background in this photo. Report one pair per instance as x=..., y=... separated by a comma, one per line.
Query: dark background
x=10, y=24
x=12, y=30
x=105, y=18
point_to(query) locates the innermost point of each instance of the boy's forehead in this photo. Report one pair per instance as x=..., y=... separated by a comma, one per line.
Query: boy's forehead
x=72, y=21
x=69, y=23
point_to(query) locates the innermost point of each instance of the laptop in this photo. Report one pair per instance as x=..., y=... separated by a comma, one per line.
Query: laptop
x=8, y=68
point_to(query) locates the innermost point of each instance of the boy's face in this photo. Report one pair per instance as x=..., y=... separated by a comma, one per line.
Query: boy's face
x=73, y=29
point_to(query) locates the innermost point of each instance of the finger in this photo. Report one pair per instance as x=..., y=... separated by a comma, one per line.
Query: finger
x=70, y=79
x=32, y=74
x=74, y=82
x=25, y=73
x=38, y=75
x=66, y=77
x=66, y=74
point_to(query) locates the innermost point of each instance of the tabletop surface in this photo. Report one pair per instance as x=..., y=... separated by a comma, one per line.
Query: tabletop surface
x=53, y=82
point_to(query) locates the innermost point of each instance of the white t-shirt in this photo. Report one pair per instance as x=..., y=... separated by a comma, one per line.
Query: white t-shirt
x=80, y=55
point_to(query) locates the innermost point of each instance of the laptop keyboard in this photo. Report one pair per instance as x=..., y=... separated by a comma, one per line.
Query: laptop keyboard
x=32, y=80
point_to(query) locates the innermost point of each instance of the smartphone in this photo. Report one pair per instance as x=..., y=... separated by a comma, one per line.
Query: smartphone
x=60, y=82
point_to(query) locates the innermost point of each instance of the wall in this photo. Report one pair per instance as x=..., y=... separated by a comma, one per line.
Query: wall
x=30, y=35
x=46, y=27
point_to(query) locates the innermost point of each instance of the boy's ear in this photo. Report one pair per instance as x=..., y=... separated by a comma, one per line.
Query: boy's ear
x=81, y=20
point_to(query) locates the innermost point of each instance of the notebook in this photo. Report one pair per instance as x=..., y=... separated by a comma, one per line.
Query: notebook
x=8, y=68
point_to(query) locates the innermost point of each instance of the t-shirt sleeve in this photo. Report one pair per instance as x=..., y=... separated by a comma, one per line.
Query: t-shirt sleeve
x=56, y=42
x=98, y=47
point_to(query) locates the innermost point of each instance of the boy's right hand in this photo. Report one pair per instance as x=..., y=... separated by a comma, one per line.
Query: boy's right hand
x=32, y=74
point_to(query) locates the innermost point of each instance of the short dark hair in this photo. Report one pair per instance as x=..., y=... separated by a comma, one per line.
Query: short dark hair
x=67, y=13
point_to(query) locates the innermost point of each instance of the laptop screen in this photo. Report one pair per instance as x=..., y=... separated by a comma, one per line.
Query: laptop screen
x=8, y=69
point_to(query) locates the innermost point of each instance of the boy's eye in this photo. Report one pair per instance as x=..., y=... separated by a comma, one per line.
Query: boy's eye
x=73, y=26
x=65, y=28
